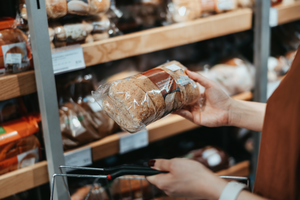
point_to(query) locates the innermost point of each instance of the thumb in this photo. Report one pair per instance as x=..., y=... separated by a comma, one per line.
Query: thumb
x=205, y=82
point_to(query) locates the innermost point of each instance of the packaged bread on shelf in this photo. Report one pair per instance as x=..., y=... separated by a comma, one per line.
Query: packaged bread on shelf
x=15, y=51
x=56, y=8
x=212, y=157
x=87, y=7
x=139, y=100
x=18, y=146
x=184, y=10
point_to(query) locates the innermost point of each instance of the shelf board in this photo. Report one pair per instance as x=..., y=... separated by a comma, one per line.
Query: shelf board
x=16, y=85
x=166, y=37
x=23, y=179
x=288, y=12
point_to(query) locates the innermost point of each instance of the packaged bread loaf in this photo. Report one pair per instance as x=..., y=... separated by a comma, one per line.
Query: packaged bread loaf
x=15, y=51
x=18, y=146
x=87, y=7
x=139, y=100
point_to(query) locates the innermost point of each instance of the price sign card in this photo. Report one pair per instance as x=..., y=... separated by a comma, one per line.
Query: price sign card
x=67, y=59
x=273, y=21
x=79, y=157
x=130, y=142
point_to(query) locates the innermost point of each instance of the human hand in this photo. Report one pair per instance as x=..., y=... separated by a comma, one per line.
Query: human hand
x=186, y=178
x=215, y=111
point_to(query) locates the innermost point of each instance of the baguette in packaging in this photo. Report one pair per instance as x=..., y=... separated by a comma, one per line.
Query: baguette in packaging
x=18, y=146
x=139, y=100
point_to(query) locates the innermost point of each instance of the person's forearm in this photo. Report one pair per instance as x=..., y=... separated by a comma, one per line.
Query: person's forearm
x=244, y=195
x=245, y=114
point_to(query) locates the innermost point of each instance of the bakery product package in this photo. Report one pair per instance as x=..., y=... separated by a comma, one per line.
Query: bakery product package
x=139, y=100
x=19, y=147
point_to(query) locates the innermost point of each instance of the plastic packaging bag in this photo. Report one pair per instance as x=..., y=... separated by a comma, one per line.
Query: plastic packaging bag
x=234, y=76
x=15, y=52
x=85, y=7
x=186, y=10
x=18, y=146
x=139, y=100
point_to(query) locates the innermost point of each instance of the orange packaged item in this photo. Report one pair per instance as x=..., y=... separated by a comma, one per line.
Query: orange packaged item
x=15, y=52
x=18, y=146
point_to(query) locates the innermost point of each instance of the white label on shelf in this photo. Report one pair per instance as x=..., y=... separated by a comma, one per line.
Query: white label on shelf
x=67, y=59
x=79, y=157
x=273, y=21
x=173, y=67
x=14, y=58
x=130, y=142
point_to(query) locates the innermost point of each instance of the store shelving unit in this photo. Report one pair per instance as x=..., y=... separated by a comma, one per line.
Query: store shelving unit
x=37, y=174
x=166, y=37
x=288, y=12
x=122, y=47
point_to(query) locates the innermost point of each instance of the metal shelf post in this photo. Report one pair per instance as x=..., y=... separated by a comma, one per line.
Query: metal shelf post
x=261, y=55
x=45, y=80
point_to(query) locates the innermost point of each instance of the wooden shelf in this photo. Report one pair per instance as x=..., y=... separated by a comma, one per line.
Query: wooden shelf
x=16, y=85
x=33, y=176
x=288, y=12
x=166, y=37
x=140, y=43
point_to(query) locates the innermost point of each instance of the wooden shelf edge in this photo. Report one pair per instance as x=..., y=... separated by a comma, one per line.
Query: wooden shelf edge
x=288, y=12
x=160, y=38
x=240, y=169
x=16, y=85
x=23, y=179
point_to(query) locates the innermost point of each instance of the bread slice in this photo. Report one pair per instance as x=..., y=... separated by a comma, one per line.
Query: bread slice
x=153, y=92
x=129, y=96
x=120, y=115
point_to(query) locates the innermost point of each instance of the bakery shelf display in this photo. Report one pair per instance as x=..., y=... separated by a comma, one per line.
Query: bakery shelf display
x=288, y=12
x=33, y=176
x=166, y=37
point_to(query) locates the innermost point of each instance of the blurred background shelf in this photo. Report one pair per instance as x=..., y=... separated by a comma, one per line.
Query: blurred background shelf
x=288, y=12
x=32, y=176
x=166, y=37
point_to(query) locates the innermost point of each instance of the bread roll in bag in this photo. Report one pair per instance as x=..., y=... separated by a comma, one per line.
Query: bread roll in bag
x=141, y=99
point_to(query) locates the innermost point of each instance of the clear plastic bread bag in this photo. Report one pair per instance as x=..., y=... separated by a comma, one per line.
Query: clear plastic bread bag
x=183, y=10
x=139, y=100
x=87, y=7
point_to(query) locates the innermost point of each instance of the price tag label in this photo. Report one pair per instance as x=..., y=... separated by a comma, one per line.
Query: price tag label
x=79, y=157
x=273, y=21
x=130, y=142
x=67, y=59
x=14, y=58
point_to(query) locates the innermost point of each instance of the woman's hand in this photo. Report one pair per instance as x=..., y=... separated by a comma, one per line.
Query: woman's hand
x=186, y=178
x=215, y=111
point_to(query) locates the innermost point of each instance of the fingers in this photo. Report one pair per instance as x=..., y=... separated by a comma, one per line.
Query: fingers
x=184, y=113
x=156, y=179
x=162, y=165
x=198, y=78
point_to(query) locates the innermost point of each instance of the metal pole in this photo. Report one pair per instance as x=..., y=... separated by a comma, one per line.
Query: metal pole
x=45, y=80
x=261, y=55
